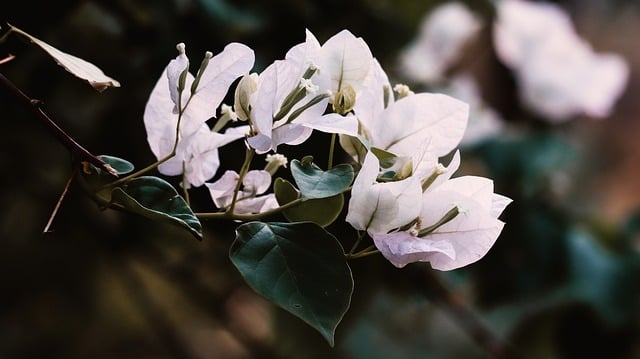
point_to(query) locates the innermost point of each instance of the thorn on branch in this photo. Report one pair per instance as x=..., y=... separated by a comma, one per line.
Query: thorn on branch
x=78, y=152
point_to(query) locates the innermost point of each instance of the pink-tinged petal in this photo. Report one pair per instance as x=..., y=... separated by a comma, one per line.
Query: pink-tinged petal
x=221, y=191
x=256, y=204
x=346, y=60
x=498, y=204
x=370, y=101
x=381, y=207
x=159, y=120
x=233, y=62
x=173, y=71
x=402, y=248
x=480, y=189
x=261, y=143
x=334, y=123
x=304, y=52
x=412, y=120
x=256, y=181
x=290, y=134
x=471, y=233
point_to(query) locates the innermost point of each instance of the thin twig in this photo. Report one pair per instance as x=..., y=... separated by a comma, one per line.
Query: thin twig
x=47, y=228
x=7, y=59
x=78, y=152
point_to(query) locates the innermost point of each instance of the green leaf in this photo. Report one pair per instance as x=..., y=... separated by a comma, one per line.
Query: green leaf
x=121, y=166
x=156, y=199
x=299, y=267
x=321, y=211
x=96, y=177
x=316, y=183
x=604, y=279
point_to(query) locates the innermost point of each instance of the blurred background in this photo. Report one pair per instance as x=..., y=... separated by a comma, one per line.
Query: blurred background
x=563, y=279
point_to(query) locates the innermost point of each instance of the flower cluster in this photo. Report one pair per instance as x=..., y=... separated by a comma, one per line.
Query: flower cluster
x=558, y=75
x=402, y=196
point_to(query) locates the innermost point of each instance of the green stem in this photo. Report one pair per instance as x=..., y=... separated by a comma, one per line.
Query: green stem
x=248, y=157
x=331, y=150
x=155, y=165
x=185, y=190
x=362, y=254
x=357, y=242
x=249, y=217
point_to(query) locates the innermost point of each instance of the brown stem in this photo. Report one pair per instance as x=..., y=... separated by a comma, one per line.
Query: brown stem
x=467, y=319
x=47, y=228
x=78, y=152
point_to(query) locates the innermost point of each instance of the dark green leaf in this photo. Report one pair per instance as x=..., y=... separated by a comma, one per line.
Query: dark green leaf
x=96, y=177
x=322, y=211
x=527, y=161
x=316, y=183
x=298, y=266
x=606, y=280
x=121, y=166
x=156, y=199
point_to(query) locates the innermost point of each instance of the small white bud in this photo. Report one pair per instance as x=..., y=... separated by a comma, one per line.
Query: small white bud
x=274, y=162
x=402, y=90
x=228, y=111
x=181, y=48
x=312, y=65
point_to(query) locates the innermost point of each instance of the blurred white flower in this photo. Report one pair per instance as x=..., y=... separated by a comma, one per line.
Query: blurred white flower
x=484, y=122
x=255, y=183
x=196, y=153
x=457, y=226
x=442, y=36
x=558, y=73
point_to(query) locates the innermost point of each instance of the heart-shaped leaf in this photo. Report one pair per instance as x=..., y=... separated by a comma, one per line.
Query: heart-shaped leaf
x=156, y=199
x=321, y=211
x=299, y=267
x=316, y=183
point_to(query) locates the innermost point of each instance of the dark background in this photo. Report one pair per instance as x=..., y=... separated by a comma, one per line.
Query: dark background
x=562, y=280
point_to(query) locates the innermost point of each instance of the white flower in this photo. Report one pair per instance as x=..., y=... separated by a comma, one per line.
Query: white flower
x=291, y=98
x=423, y=126
x=442, y=35
x=255, y=183
x=163, y=108
x=380, y=207
x=347, y=61
x=458, y=225
x=558, y=73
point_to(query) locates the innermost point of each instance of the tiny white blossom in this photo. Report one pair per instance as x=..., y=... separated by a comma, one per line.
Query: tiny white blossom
x=308, y=85
x=228, y=111
x=402, y=90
